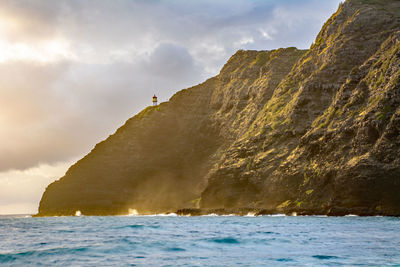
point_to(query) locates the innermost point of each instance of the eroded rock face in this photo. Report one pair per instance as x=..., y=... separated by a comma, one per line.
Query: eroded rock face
x=288, y=130
x=314, y=147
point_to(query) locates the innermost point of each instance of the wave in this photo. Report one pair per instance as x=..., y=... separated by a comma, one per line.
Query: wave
x=175, y=249
x=226, y=240
x=284, y=259
x=138, y=226
x=134, y=226
x=324, y=257
x=10, y=257
x=172, y=214
x=266, y=232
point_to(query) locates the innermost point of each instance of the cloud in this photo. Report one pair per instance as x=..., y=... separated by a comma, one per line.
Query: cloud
x=97, y=30
x=53, y=112
x=20, y=191
x=172, y=62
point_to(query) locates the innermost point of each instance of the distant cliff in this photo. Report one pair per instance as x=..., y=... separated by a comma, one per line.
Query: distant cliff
x=308, y=131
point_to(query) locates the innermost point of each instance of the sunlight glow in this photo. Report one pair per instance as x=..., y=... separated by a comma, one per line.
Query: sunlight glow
x=20, y=191
x=44, y=52
x=12, y=48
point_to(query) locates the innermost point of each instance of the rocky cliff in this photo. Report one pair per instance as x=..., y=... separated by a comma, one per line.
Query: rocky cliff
x=309, y=131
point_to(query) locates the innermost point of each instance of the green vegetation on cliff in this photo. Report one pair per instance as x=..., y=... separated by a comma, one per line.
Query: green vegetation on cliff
x=309, y=131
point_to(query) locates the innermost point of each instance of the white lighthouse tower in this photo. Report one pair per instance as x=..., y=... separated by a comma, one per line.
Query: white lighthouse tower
x=154, y=100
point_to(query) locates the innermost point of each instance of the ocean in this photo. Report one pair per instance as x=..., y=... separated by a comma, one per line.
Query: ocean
x=199, y=241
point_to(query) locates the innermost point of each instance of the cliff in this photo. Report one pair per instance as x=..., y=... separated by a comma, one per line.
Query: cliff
x=309, y=131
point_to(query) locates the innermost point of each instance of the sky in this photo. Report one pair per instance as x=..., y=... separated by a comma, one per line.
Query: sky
x=73, y=71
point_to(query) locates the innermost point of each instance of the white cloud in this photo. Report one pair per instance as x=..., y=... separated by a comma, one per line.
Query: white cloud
x=244, y=41
x=45, y=52
x=20, y=191
x=265, y=34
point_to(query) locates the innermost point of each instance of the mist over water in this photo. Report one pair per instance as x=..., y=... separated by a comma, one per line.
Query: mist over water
x=199, y=241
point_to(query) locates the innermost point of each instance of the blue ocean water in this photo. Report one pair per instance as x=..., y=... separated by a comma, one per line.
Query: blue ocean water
x=199, y=241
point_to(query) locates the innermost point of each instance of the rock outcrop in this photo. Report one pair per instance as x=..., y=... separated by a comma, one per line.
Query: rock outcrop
x=308, y=131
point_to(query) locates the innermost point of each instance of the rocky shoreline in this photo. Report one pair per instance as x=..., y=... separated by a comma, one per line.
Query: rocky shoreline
x=332, y=211
x=288, y=212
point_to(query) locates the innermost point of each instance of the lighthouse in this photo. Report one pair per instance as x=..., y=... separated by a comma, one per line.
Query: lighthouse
x=154, y=100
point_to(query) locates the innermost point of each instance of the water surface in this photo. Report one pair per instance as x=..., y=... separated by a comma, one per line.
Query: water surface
x=200, y=241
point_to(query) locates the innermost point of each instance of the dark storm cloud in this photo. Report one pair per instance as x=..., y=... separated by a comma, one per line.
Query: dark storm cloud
x=120, y=53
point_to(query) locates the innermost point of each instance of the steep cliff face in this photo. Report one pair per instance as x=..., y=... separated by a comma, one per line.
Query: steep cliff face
x=314, y=146
x=159, y=160
x=156, y=161
x=350, y=157
x=286, y=130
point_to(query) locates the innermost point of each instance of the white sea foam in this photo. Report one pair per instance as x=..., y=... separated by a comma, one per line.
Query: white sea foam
x=158, y=215
x=277, y=215
x=132, y=212
x=210, y=215
x=172, y=214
